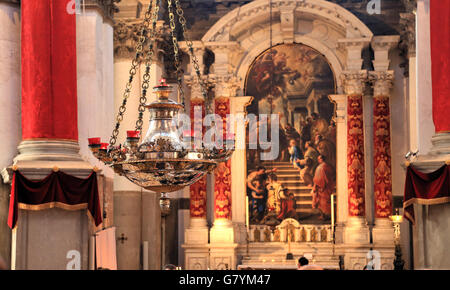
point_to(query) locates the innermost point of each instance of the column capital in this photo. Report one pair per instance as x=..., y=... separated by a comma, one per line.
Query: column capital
x=126, y=36
x=353, y=47
x=381, y=46
x=382, y=82
x=341, y=106
x=354, y=81
x=225, y=85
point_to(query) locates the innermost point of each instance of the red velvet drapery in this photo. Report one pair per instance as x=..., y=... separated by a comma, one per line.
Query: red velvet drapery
x=56, y=190
x=49, y=70
x=425, y=188
x=440, y=62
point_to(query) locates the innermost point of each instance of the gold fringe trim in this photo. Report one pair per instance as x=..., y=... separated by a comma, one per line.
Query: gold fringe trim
x=408, y=216
x=53, y=204
x=439, y=200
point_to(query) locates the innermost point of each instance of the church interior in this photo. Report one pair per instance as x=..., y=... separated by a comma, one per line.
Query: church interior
x=224, y=134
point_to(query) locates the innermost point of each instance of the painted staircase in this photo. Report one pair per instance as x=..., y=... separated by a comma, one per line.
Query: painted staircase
x=289, y=176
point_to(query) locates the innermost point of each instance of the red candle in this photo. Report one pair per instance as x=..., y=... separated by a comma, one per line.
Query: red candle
x=94, y=141
x=104, y=146
x=133, y=134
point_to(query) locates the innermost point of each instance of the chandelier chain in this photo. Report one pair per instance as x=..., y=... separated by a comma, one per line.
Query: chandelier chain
x=176, y=50
x=189, y=44
x=148, y=63
x=133, y=70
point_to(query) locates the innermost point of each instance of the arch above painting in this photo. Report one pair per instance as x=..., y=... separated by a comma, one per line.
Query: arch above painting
x=319, y=24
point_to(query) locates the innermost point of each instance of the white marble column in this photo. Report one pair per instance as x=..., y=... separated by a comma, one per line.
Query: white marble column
x=341, y=166
x=10, y=109
x=239, y=169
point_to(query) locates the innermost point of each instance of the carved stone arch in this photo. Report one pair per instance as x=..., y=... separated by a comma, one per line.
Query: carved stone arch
x=248, y=25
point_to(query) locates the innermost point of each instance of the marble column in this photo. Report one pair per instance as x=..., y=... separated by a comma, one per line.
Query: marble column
x=341, y=166
x=10, y=112
x=382, y=80
x=356, y=227
x=407, y=45
x=382, y=83
x=198, y=229
x=430, y=234
x=196, y=250
x=222, y=235
x=47, y=143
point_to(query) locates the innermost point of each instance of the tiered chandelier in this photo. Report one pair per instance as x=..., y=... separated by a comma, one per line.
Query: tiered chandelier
x=164, y=161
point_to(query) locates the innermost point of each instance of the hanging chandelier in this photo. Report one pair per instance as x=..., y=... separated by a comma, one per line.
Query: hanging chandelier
x=164, y=160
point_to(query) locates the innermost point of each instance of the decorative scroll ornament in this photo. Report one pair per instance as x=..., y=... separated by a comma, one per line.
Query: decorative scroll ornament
x=163, y=161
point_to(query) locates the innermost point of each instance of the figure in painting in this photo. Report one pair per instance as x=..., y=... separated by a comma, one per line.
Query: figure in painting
x=309, y=163
x=327, y=149
x=256, y=189
x=275, y=193
x=324, y=182
x=296, y=154
x=288, y=206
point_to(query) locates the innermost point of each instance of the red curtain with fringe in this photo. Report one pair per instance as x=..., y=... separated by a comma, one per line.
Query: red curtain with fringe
x=425, y=188
x=56, y=190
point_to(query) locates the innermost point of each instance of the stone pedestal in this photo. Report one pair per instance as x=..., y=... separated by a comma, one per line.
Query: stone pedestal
x=197, y=233
x=222, y=256
x=356, y=231
x=50, y=239
x=222, y=232
x=383, y=232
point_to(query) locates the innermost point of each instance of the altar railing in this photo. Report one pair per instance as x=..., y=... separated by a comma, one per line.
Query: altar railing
x=299, y=234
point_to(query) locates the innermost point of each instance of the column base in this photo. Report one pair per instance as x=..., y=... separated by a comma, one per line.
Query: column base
x=196, y=257
x=223, y=256
x=197, y=232
x=383, y=231
x=356, y=231
x=222, y=232
x=439, y=154
x=37, y=158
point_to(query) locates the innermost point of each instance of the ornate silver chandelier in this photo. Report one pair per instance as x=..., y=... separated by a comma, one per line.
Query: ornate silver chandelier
x=163, y=161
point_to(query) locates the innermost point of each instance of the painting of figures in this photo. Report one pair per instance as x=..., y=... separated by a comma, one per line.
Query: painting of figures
x=293, y=81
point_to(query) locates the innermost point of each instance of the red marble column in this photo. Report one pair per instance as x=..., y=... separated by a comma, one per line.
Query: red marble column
x=197, y=191
x=49, y=71
x=382, y=157
x=355, y=156
x=222, y=175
